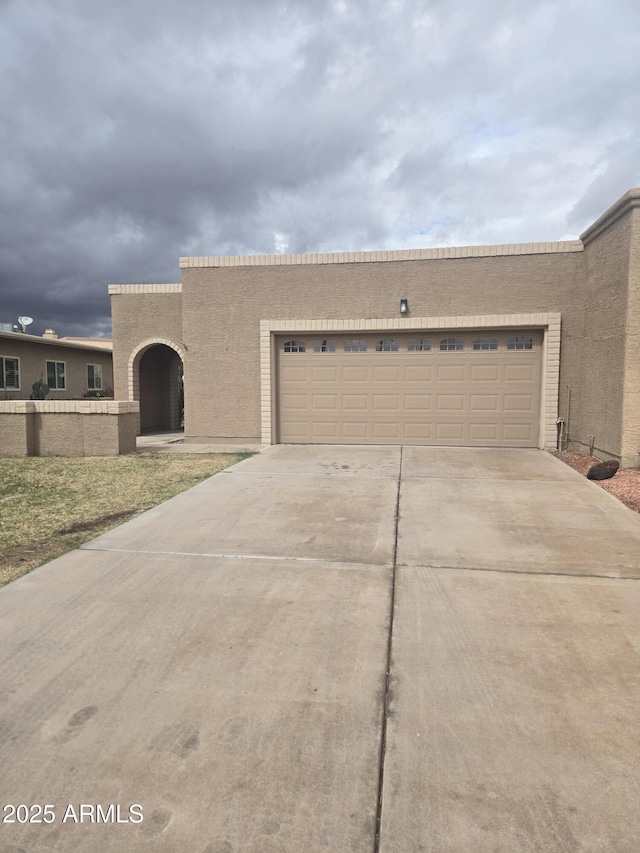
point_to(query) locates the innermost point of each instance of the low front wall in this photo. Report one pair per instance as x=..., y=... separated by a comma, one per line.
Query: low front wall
x=68, y=428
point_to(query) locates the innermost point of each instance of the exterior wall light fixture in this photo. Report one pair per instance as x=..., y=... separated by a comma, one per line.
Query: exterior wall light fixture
x=404, y=306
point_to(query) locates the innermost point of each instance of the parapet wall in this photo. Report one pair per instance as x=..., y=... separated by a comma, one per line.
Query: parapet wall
x=68, y=427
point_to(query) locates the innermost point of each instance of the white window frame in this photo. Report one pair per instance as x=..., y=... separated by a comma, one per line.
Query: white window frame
x=520, y=343
x=485, y=344
x=446, y=344
x=95, y=386
x=55, y=363
x=418, y=345
x=325, y=345
x=3, y=373
x=387, y=345
x=355, y=345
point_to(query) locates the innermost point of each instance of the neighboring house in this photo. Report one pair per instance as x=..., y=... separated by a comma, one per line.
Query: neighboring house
x=69, y=369
x=497, y=346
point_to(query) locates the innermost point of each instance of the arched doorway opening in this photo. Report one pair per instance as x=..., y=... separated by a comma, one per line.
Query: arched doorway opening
x=160, y=388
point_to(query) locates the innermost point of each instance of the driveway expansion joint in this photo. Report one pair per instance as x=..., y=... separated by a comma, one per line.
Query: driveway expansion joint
x=524, y=572
x=221, y=556
x=387, y=680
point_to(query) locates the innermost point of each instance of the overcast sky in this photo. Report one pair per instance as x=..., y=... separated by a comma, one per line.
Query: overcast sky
x=133, y=133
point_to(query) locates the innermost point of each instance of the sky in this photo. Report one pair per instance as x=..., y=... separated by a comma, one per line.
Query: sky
x=133, y=133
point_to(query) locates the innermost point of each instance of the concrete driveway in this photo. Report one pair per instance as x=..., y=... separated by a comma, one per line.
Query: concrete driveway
x=222, y=660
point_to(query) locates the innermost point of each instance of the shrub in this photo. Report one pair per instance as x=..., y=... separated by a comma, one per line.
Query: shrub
x=39, y=390
x=101, y=392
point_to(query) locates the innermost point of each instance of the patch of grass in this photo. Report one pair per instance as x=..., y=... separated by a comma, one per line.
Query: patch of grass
x=51, y=505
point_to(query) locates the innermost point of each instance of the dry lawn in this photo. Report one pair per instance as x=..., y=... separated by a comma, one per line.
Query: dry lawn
x=624, y=485
x=49, y=506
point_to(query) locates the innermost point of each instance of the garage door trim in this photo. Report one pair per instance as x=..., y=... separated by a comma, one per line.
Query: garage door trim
x=549, y=323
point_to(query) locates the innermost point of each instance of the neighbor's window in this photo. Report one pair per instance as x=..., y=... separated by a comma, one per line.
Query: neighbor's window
x=94, y=377
x=9, y=373
x=56, y=375
x=355, y=346
x=324, y=346
x=451, y=344
x=520, y=342
x=485, y=343
x=418, y=345
x=387, y=345
x=295, y=346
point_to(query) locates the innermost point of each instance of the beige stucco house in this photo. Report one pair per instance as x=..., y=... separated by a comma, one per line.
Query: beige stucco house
x=71, y=368
x=500, y=346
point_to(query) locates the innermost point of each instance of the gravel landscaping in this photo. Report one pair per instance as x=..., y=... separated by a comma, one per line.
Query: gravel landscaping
x=624, y=485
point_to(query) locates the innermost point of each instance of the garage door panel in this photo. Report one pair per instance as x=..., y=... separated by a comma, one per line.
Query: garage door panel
x=475, y=398
x=291, y=402
x=484, y=403
x=323, y=430
x=519, y=403
x=324, y=402
x=450, y=403
x=386, y=402
x=387, y=373
x=418, y=402
x=449, y=432
x=484, y=432
x=520, y=373
x=296, y=430
x=481, y=373
x=418, y=433
x=418, y=373
x=294, y=373
x=324, y=374
x=387, y=431
x=355, y=402
x=451, y=372
x=518, y=432
x=355, y=373
x=356, y=431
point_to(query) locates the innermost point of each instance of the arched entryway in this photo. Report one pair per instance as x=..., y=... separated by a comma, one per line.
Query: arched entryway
x=157, y=382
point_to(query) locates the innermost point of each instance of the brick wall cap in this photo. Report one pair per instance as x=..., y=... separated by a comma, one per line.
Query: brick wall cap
x=622, y=206
x=455, y=252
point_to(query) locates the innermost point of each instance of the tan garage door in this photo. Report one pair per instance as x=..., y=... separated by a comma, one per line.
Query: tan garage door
x=443, y=388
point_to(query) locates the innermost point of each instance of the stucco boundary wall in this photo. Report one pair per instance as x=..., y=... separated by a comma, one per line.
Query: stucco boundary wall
x=68, y=427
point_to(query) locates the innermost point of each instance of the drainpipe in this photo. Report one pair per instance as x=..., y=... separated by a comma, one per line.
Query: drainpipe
x=566, y=419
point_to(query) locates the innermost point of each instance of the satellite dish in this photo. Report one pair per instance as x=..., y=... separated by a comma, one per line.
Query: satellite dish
x=25, y=321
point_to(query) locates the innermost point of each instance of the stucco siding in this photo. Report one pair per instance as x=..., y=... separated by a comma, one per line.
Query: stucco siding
x=139, y=317
x=631, y=412
x=16, y=434
x=33, y=354
x=67, y=428
x=597, y=392
x=222, y=317
x=223, y=307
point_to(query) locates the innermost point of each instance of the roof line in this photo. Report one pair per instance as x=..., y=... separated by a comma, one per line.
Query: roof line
x=51, y=342
x=626, y=203
x=446, y=253
x=115, y=289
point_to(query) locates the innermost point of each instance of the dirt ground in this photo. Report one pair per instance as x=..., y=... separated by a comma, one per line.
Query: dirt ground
x=624, y=485
x=51, y=505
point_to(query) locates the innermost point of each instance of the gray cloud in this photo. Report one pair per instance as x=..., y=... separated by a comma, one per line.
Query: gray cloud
x=133, y=133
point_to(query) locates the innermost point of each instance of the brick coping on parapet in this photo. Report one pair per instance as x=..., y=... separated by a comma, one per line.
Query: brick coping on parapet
x=630, y=200
x=115, y=289
x=79, y=407
x=446, y=253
